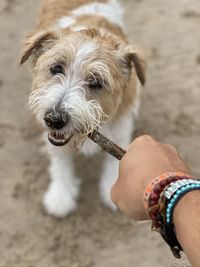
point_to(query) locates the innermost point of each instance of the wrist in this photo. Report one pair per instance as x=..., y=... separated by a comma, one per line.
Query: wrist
x=161, y=196
x=157, y=185
x=186, y=209
x=187, y=221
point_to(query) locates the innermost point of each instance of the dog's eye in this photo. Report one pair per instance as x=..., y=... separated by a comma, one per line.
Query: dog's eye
x=57, y=69
x=95, y=83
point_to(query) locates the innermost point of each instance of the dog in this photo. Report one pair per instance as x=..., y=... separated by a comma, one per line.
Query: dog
x=85, y=76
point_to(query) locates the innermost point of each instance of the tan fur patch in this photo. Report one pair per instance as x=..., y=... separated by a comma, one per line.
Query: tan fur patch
x=52, y=10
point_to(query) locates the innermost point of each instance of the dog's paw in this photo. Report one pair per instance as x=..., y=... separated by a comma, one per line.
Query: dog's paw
x=105, y=196
x=58, y=201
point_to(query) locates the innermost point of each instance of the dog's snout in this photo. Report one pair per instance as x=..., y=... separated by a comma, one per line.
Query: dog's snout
x=56, y=120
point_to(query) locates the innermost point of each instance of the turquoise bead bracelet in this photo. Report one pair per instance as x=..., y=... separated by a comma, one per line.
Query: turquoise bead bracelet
x=177, y=195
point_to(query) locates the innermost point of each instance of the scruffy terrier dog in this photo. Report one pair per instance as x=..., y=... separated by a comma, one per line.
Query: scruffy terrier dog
x=85, y=76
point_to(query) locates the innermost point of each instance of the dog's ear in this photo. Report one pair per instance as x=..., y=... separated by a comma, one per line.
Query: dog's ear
x=131, y=58
x=35, y=44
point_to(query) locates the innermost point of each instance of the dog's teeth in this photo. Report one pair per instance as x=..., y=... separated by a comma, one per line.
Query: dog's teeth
x=58, y=139
x=57, y=136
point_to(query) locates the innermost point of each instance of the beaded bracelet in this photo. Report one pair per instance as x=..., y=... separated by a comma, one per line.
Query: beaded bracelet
x=174, y=186
x=182, y=190
x=152, y=199
x=155, y=203
x=157, y=185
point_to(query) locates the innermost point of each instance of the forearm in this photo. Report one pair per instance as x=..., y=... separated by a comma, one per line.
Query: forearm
x=187, y=225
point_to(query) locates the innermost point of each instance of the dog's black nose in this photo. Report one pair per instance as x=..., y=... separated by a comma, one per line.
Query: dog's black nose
x=56, y=120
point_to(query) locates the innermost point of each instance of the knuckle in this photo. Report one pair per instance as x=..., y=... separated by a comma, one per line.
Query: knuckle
x=140, y=141
x=144, y=138
x=172, y=148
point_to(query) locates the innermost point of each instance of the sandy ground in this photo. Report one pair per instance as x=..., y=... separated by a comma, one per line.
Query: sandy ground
x=93, y=236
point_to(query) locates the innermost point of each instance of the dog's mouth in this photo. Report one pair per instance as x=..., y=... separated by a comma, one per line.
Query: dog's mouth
x=58, y=139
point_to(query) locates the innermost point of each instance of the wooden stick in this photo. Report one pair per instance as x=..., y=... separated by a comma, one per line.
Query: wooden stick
x=107, y=145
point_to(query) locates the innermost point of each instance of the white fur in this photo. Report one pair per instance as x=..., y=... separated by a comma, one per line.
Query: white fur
x=79, y=28
x=121, y=133
x=84, y=51
x=62, y=194
x=66, y=21
x=112, y=11
x=126, y=122
x=136, y=106
x=63, y=190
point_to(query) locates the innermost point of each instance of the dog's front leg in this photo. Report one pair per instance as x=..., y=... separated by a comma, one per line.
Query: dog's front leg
x=109, y=175
x=61, y=196
x=121, y=133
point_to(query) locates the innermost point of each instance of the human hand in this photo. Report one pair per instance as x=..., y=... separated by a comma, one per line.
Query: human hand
x=145, y=159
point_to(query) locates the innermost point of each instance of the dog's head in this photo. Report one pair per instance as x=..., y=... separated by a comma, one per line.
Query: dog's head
x=79, y=79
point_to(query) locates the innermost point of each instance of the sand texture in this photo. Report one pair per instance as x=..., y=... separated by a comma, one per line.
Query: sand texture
x=168, y=32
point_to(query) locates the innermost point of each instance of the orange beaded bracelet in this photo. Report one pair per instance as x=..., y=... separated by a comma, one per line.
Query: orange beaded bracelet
x=157, y=181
